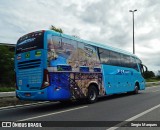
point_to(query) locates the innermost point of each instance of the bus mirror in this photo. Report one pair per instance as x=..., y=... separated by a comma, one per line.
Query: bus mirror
x=145, y=68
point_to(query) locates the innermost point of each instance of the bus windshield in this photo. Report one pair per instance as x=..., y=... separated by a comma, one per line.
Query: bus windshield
x=31, y=41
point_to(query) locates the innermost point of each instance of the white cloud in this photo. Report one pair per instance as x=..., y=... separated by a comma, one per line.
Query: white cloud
x=109, y=22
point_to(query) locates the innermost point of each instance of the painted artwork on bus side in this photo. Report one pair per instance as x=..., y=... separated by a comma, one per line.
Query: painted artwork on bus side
x=73, y=53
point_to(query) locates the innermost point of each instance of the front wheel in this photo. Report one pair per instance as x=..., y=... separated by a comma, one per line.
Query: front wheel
x=136, y=89
x=92, y=94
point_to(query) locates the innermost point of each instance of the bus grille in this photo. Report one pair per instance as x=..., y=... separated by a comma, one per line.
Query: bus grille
x=29, y=64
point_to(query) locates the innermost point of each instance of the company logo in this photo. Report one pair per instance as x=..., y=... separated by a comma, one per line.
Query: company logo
x=38, y=53
x=26, y=41
x=27, y=55
x=6, y=124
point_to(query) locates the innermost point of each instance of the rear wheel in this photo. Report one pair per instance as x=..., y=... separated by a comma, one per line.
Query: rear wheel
x=92, y=94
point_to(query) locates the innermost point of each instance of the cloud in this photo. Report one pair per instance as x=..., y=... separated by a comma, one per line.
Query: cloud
x=103, y=21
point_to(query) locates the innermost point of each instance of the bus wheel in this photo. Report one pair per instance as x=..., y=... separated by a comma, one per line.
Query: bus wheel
x=92, y=94
x=136, y=89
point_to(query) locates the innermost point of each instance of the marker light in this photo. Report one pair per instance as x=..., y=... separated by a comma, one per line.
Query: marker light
x=45, y=79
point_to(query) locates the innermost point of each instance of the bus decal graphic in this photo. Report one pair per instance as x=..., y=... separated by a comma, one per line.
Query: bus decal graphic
x=77, y=83
x=121, y=72
x=51, y=66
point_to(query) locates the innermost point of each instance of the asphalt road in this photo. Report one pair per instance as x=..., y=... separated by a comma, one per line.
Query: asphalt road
x=144, y=106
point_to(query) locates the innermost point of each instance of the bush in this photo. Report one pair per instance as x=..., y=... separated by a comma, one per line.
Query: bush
x=149, y=74
x=6, y=66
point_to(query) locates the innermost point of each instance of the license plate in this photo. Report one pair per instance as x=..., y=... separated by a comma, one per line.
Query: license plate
x=27, y=94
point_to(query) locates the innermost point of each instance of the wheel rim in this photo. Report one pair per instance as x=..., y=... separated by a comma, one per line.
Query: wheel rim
x=136, y=89
x=92, y=95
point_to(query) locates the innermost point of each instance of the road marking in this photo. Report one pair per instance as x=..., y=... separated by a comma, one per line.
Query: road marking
x=152, y=87
x=155, y=91
x=52, y=113
x=133, y=118
x=17, y=106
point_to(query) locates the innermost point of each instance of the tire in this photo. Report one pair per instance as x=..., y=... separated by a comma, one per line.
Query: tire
x=136, y=89
x=92, y=94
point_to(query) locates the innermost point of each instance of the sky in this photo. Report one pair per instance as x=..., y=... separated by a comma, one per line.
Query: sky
x=103, y=21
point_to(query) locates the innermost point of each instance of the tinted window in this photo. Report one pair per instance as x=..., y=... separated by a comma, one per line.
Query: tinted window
x=30, y=42
x=115, y=58
x=104, y=56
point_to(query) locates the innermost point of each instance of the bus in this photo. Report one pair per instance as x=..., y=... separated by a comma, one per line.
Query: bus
x=52, y=66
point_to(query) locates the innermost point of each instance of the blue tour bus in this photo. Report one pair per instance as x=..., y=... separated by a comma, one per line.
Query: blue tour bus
x=52, y=66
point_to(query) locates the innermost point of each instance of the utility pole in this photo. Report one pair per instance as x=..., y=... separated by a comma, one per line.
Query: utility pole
x=133, y=29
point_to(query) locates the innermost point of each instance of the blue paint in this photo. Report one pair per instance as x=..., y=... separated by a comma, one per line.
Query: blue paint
x=60, y=86
x=29, y=81
x=119, y=79
x=84, y=69
x=58, y=60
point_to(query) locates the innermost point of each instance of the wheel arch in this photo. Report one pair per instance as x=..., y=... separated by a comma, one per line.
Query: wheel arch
x=95, y=84
x=137, y=84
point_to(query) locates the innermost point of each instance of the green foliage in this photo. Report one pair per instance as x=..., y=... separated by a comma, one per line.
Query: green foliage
x=6, y=65
x=153, y=80
x=149, y=74
x=6, y=89
x=59, y=69
x=56, y=29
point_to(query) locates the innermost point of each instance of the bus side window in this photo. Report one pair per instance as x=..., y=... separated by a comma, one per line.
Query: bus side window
x=104, y=56
x=135, y=65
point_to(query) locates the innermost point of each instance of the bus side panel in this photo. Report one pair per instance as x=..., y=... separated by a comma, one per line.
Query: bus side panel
x=72, y=85
x=60, y=86
x=109, y=79
x=138, y=78
x=117, y=79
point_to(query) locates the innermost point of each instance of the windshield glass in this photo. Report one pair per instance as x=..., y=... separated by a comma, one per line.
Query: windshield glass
x=31, y=41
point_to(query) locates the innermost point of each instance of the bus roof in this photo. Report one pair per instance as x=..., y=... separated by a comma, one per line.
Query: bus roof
x=104, y=46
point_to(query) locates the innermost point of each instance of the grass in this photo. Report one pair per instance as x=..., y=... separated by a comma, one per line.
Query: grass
x=6, y=89
x=152, y=80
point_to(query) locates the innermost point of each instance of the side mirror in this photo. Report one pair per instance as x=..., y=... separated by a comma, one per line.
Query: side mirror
x=144, y=69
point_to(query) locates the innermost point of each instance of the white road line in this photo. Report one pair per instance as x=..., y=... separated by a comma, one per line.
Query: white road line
x=52, y=114
x=152, y=87
x=17, y=106
x=133, y=118
x=155, y=91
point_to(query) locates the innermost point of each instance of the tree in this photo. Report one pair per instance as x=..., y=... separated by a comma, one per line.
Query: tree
x=149, y=74
x=56, y=29
x=6, y=65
